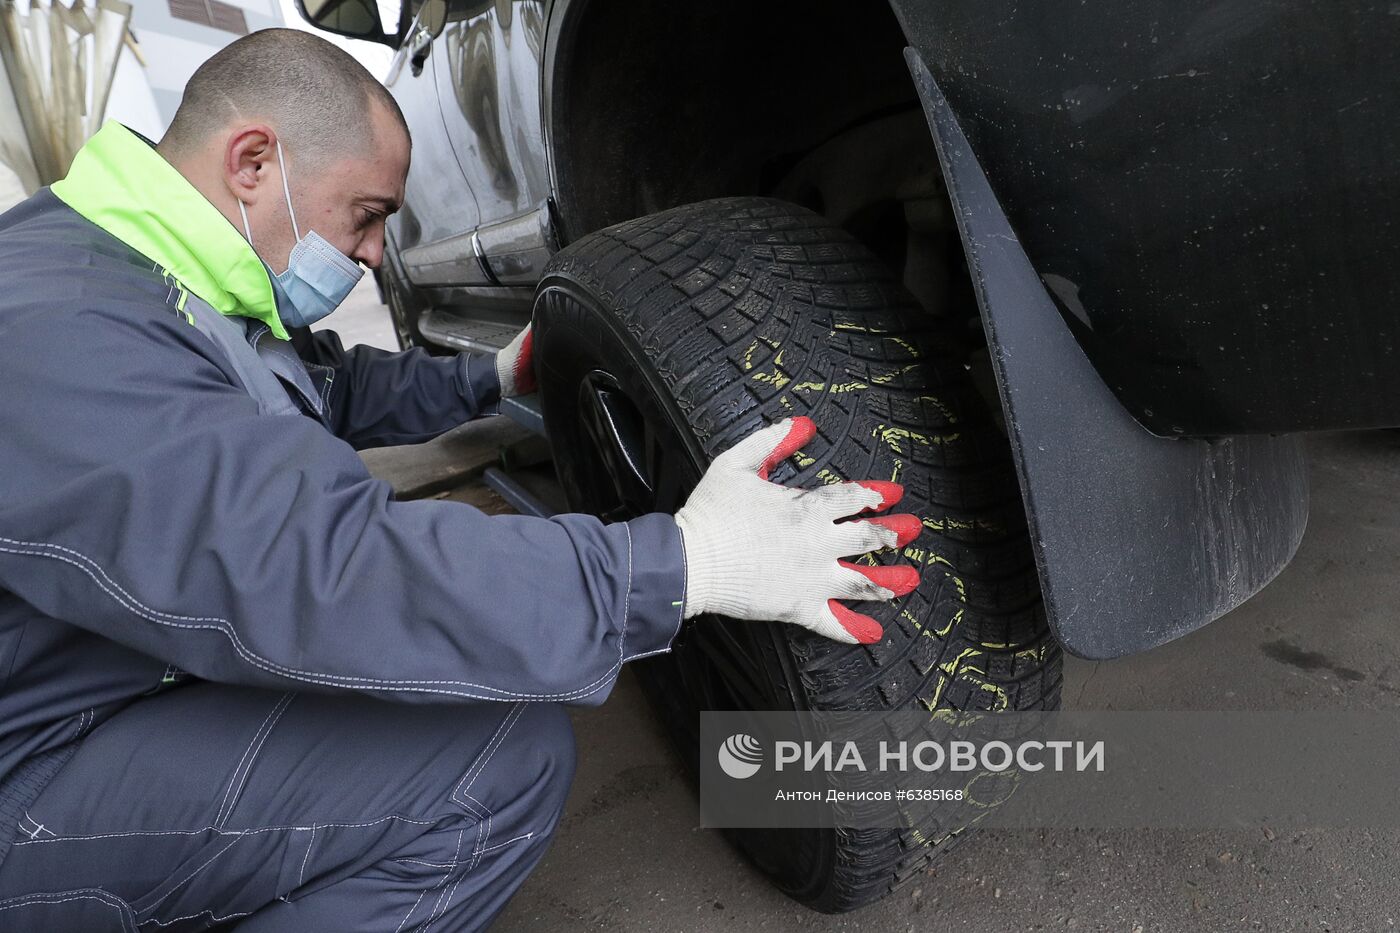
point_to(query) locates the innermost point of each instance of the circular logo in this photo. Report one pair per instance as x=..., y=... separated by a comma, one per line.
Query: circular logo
x=740, y=756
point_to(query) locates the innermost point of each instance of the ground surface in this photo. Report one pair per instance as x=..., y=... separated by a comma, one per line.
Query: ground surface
x=630, y=855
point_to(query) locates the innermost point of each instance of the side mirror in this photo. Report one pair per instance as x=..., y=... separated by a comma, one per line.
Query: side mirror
x=355, y=19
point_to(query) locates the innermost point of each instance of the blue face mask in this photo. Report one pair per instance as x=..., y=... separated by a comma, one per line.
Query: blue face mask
x=318, y=276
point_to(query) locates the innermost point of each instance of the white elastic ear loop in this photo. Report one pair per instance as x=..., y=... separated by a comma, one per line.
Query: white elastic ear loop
x=287, y=192
x=247, y=230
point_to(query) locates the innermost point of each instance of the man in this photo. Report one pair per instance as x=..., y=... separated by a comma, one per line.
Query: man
x=206, y=601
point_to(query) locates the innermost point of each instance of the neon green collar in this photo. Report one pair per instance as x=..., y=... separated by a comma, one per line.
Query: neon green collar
x=119, y=182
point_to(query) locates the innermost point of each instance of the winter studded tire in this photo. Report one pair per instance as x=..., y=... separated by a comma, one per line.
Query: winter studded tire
x=662, y=341
x=403, y=308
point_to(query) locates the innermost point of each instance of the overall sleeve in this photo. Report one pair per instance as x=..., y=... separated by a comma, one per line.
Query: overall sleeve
x=379, y=397
x=142, y=497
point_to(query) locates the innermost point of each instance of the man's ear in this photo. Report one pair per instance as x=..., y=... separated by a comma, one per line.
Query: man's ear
x=248, y=156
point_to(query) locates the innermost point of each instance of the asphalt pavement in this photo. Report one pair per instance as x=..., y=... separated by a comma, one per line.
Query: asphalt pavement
x=631, y=856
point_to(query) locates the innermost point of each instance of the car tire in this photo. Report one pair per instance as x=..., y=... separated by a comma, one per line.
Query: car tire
x=662, y=341
x=404, y=308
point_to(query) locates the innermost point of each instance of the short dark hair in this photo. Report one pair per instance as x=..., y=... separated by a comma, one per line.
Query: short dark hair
x=313, y=94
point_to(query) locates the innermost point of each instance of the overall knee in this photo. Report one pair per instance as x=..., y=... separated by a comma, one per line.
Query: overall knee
x=548, y=736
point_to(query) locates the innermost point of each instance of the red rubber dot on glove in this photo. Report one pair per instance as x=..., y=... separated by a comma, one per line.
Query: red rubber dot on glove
x=803, y=430
x=900, y=579
x=863, y=628
x=524, y=373
x=906, y=526
x=890, y=493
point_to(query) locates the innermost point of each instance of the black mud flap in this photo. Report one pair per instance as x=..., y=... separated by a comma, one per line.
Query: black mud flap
x=1139, y=539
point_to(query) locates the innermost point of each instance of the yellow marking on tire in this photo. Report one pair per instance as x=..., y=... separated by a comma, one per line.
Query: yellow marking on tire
x=957, y=524
x=937, y=694
x=777, y=377
x=943, y=409
x=943, y=632
x=937, y=634
x=834, y=388
x=828, y=477
x=952, y=669
x=892, y=437
x=956, y=664
x=884, y=378
x=876, y=332
x=748, y=354
x=929, y=557
x=927, y=843
x=1003, y=699
x=894, y=476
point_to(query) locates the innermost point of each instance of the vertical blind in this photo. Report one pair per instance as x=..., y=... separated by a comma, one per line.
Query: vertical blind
x=58, y=61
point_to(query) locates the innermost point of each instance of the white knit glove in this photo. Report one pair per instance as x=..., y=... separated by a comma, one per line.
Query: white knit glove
x=759, y=551
x=515, y=365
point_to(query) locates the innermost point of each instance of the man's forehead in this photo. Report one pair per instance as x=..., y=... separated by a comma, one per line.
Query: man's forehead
x=392, y=149
x=375, y=177
x=367, y=175
x=372, y=169
x=390, y=135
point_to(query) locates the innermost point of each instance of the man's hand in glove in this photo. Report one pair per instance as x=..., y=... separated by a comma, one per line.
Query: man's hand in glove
x=756, y=550
x=515, y=365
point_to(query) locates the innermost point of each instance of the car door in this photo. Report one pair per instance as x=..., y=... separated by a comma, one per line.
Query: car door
x=489, y=92
x=439, y=204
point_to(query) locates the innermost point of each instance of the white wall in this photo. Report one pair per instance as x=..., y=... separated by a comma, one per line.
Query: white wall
x=374, y=56
x=174, y=48
x=131, y=102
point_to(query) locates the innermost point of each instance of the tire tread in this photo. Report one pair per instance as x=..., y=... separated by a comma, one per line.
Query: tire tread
x=740, y=303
